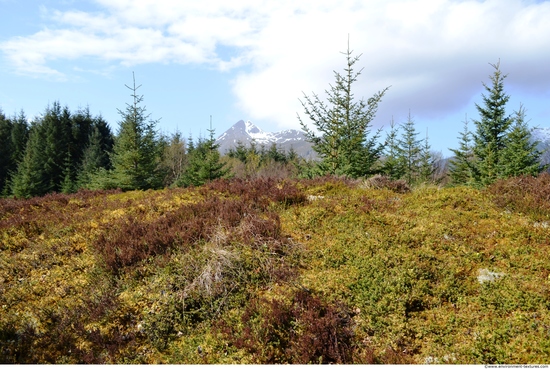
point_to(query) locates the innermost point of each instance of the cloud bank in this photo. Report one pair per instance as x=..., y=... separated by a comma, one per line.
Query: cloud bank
x=434, y=53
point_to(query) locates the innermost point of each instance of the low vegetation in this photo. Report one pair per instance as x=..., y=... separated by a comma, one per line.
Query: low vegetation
x=326, y=270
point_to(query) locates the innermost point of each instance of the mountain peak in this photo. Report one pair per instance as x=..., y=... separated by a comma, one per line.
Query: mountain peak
x=251, y=128
x=247, y=132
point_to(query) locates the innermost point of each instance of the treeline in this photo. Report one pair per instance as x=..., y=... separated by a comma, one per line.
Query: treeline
x=64, y=151
x=500, y=147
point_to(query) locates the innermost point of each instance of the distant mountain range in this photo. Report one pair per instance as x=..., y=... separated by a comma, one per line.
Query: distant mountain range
x=542, y=135
x=246, y=132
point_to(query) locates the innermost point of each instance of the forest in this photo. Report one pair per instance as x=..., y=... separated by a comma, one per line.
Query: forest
x=138, y=248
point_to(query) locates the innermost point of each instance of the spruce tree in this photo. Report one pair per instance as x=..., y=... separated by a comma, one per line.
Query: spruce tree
x=19, y=138
x=82, y=125
x=409, y=150
x=136, y=153
x=426, y=163
x=392, y=165
x=6, y=127
x=491, y=129
x=520, y=155
x=96, y=156
x=343, y=142
x=31, y=178
x=57, y=138
x=205, y=163
x=462, y=164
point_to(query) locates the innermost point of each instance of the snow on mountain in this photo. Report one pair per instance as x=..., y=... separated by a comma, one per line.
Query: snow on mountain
x=541, y=134
x=246, y=132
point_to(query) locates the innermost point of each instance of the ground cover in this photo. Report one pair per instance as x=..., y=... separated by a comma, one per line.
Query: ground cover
x=278, y=271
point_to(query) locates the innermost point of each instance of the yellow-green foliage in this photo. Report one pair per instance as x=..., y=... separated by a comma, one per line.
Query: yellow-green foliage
x=262, y=271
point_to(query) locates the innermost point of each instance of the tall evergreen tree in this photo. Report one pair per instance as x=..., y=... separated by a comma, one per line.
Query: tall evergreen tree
x=96, y=155
x=19, y=138
x=409, y=150
x=344, y=125
x=393, y=165
x=491, y=129
x=426, y=165
x=82, y=125
x=31, y=178
x=6, y=127
x=520, y=155
x=136, y=153
x=462, y=164
x=57, y=138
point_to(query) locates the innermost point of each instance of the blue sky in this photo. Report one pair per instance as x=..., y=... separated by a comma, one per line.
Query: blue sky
x=252, y=59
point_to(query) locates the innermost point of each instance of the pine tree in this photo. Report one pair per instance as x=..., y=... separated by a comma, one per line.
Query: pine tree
x=491, y=129
x=19, y=138
x=238, y=152
x=343, y=142
x=31, y=178
x=82, y=125
x=204, y=163
x=57, y=138
x=392, y=165
x=409, y=150
x=136, y=153
x=520, y=155
x=69, y=184
x=6, y=127
x=426, y=165
x=93, y=157
x=462, y=164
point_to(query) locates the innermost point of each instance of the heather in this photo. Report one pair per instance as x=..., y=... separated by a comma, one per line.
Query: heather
x=263, y=270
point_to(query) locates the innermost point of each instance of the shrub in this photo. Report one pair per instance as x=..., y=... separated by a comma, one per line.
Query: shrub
x=379, y=182
x=526, y=194
x=304, y=330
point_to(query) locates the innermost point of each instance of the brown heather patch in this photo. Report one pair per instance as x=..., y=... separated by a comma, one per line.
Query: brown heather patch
x=525, y=194
x=299, y=331
x=259, y=192
x=382, y=182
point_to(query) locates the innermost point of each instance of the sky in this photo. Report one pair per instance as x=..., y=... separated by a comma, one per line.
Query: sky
x=255, y=59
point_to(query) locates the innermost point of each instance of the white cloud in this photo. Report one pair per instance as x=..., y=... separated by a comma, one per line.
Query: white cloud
x=434, y=53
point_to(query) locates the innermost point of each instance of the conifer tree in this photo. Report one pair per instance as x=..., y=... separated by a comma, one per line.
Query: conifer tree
x=57, y=137
x=491, y=129
x=426, y=165
x=136, y=153
x=520, y=155
x=392, y=165
x=31, y=178
x=69, y=184
x=82, y=125
x=409, y=150
x=344, y=125
x=6, y=127
x=238, y=152
x=462, y=164
x=95, y=157
x=19, y=138
x=204, y=163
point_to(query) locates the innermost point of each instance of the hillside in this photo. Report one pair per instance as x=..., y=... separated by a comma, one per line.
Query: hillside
x=259, y=271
